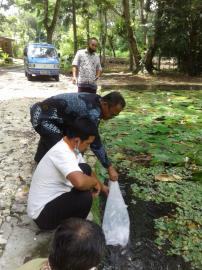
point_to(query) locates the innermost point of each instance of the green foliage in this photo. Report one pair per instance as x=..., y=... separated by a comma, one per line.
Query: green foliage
x=185, y=44
x=96, y=211
x=1, y=52
x=183, y=230
x=101, y=174
x=4, y=56
x=159, y=133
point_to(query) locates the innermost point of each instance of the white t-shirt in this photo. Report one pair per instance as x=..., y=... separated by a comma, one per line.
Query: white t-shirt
x=49, y=179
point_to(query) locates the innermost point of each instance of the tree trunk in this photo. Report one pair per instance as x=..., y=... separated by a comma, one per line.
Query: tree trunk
x=131, y=62
x=74, y=26
x=104, y=37
x=50, y=36
x=159, y=62
x=88, y=28
x=111, y=44
x=50, y=28
x=103, y=34
x=143, y=19
x=149, y=57
x=154, y=46
x=131, y=38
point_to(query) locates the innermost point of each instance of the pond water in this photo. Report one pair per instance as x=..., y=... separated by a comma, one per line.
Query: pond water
x=141, y=252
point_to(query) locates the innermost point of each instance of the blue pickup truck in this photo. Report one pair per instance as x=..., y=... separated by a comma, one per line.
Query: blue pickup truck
x=41, y=59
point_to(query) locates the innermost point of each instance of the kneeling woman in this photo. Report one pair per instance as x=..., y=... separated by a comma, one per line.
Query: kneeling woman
x=63, y=185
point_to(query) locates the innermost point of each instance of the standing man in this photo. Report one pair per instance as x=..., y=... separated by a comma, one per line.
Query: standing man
x=86, y=68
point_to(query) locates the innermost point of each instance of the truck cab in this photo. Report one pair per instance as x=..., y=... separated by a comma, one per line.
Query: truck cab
x=41, y=59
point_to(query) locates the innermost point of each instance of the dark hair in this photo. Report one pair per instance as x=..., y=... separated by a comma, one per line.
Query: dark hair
x=114, y=98
x=92, y=38
x=81, y=127
x=78, y=244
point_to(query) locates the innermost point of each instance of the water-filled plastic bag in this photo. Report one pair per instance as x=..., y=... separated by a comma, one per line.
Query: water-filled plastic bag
x=116, y=223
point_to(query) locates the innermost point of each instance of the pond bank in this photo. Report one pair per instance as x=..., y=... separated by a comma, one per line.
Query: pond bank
x=150, y=87
x=142, y=253
x=167, y=82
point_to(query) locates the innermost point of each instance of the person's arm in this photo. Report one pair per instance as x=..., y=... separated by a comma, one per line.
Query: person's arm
x=67, y=164
x=98, y=74
x=103, y=188
x=74, y=74
x=99, y=150
x=75, y=64
x=82, y=181
x=98, y=69
x=113, y=174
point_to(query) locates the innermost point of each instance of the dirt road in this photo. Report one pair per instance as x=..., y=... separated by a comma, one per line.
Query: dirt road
x=18, y=141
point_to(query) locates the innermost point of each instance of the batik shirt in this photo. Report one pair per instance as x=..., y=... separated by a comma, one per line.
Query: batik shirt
x=87, y=64
x=49, y=117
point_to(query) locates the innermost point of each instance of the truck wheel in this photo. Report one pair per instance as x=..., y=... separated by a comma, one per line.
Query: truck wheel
x=29, y=77
x=57, y=78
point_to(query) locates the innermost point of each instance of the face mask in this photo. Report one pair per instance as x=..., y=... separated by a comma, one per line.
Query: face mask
x=76, y=149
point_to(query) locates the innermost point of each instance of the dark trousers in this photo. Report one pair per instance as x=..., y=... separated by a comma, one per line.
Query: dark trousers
x=87, y=88
x=45, y=144
x=75, y=203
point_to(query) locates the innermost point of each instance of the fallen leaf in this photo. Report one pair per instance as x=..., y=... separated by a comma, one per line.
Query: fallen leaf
x=167, y=178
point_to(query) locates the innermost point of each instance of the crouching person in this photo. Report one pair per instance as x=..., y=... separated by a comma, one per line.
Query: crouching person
x=77, y=245
x=63, y=185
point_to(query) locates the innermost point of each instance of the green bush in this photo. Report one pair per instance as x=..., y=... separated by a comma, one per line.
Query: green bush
x=65, y=65
x=5, y=57
x=1, y=53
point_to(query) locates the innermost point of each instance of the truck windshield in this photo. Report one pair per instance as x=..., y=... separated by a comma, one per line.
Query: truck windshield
x=42, y=52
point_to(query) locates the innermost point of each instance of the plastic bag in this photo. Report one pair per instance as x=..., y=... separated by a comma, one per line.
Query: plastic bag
x=116, y=223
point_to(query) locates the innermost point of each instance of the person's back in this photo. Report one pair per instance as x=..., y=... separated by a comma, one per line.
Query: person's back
x=48, y=117
x=63, y=106
x=76, y=104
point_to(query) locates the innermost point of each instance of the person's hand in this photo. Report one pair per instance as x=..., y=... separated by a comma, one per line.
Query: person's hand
x=105, y=189
x=74, y=80
x=113, y=174
x=96, y=190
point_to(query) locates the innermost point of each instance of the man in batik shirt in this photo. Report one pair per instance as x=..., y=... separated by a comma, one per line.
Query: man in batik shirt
x=86, y=68
x=50, y=116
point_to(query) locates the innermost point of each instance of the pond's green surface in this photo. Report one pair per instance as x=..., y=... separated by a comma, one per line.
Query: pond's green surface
x=157, y=141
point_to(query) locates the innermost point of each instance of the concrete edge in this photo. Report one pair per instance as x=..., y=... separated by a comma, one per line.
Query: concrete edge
x=151, y=87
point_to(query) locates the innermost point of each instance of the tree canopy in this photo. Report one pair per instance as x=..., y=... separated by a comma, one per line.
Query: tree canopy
x=125, y=28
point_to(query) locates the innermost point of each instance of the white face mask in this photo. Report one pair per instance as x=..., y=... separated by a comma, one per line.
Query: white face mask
x=76, y=149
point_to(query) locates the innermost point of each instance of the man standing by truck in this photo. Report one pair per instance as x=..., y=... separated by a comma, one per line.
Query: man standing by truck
x=86, y=68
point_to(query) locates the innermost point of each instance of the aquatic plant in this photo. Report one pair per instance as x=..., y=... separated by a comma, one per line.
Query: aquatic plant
x=157, y=142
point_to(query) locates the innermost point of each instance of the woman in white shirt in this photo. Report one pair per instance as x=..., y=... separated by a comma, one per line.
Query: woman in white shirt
x=63, y=185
